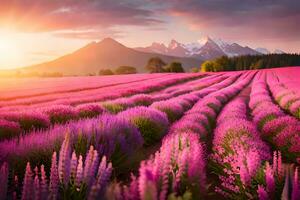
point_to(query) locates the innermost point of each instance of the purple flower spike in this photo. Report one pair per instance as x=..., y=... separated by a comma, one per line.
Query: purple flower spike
x=3, y=180
x=43, y=184
x=262, y=194
x=64, y=161
x=54, y=178
x=27, y=191
x=296, y=188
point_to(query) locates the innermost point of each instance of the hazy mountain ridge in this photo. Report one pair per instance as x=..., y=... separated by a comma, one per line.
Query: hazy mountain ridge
x=107, y=53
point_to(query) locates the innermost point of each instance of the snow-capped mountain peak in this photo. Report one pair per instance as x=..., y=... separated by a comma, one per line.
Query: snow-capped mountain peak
x=263, y=50
x=278, y=51
x=205, y=48
x=173, y=44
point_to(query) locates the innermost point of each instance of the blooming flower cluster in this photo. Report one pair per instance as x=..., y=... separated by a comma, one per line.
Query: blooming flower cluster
x=280, y=180
x=70, y=176
x=110, y=135
x=238, y=151
x=178, y=167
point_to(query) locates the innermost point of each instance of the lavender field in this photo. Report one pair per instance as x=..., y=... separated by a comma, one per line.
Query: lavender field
x=182, y=136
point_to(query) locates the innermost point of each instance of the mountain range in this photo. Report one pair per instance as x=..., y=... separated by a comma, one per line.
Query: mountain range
x=107, y=53
x=204, y=49
x=111, y=54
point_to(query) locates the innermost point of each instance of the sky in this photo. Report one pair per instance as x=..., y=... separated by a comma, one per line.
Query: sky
x=34, y=31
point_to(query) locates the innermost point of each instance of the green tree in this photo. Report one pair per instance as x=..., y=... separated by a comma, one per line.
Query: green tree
x=126, y=70
x=223, y=64
x=106, y=72
x=260, y=64
x=174, y=67
x=155, y=65
x=247, y=62
x=208, y=66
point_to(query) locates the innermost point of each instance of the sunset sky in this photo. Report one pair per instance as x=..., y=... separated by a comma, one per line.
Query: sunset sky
x=33, y=31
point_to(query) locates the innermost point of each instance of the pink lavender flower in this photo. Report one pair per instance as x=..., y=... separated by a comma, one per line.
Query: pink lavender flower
x=3, y=180
x=296, y=189
x=181, y=156
x=118, y=105
x=79, y=173
x=141, y=99
x=28, y=120
x=262, y=194
x=43, y=183
x=276, y=125
x=237, y=148
x=54, y=178
x=280, y=169
x=60, y=113
x=64, y=161
x=295, y=108
x=73, y=165
x=27, y=191
x=275, y=162
x=102, y=179
x=147, y=186
x=89, y=110
x=270, y=181
x=173, y=109
x=91, y=163
x=287, y=100
x=36, y=185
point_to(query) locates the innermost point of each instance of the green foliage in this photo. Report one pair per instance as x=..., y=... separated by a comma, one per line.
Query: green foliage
x=207, y=66
x=266, y=119
x=114, y=108
x=172, y=114
x=7, y=133
x=29, y=123
x=126, y=70
x=155, y=65
x=87, y=114
x=250, y=62
x=105, y=72
x=150, y=130
x=174, y=67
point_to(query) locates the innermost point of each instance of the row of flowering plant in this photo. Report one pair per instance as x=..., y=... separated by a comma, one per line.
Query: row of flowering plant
x=238, y=152
x=277, y=127
x=288, y=99
x=43, y=111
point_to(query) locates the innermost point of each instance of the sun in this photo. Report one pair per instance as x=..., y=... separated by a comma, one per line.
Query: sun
x=10, y=53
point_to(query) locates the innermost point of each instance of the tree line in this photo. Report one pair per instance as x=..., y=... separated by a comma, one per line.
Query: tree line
x=248, y=62
x=154, y=65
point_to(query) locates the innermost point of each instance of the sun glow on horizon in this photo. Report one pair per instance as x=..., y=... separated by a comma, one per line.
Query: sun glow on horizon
x=10, y=52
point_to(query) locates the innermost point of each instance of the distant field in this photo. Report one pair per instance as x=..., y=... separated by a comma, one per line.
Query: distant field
x=231, y=135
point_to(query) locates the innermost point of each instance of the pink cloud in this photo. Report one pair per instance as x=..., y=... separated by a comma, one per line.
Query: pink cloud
x=52, y=15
